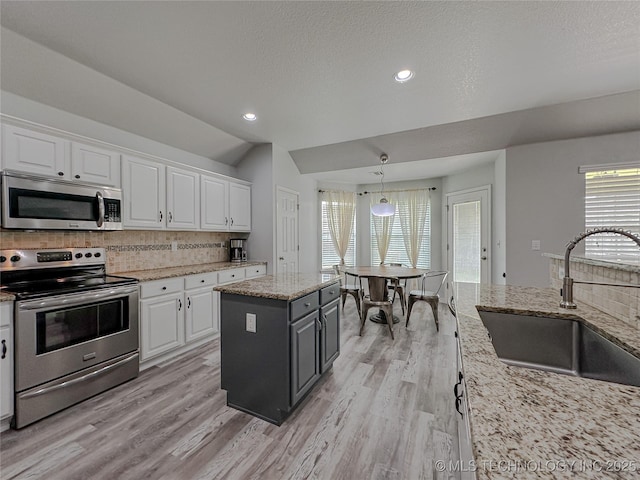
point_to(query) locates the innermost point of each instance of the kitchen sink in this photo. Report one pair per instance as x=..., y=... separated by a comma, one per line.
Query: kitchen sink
x=559, y=345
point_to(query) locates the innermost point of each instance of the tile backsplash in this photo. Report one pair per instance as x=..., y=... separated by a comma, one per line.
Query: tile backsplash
x=131, y=249
x=620, y=302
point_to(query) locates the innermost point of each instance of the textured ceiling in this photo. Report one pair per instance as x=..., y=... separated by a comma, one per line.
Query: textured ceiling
x=320, y=73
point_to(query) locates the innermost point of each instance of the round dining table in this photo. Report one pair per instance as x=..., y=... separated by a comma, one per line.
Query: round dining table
x=377, y=277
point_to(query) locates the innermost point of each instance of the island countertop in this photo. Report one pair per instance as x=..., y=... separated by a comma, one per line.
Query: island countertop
x=283, y=286
x=531, y=420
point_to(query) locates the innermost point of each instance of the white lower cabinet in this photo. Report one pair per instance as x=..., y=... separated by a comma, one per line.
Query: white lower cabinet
x=161, y=325
x=6, y=360
x=180, y=313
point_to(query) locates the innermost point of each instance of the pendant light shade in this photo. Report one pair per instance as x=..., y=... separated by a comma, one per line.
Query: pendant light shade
x=383, y=208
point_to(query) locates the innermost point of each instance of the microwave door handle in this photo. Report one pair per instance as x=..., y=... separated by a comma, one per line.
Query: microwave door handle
x=100, y=209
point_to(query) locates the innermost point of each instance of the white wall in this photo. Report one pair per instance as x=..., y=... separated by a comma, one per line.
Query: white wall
x=286, y=174
x=37, y=112
x=545, y=198
x=499, y=216
x=257, y=167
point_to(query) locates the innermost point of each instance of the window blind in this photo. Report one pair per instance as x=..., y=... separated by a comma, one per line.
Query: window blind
x=329, y=255
x=397, y=252
x=612, y=199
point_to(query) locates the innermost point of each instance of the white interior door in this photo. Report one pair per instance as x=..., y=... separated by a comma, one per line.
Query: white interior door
x=468, y=235
x=287, y=231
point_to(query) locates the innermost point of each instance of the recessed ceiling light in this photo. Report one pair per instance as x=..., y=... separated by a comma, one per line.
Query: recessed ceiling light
x=403, y=76
x=250, y=117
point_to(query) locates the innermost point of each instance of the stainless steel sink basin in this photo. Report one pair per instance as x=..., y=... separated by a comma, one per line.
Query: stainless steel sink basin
x=559, y=345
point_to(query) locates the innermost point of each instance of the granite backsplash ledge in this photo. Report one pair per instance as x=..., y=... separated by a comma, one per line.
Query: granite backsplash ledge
x=129, y=250
x=620, y=302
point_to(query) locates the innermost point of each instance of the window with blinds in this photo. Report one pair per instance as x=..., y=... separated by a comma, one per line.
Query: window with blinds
x=612, y=199
x=397, y=252
x=329, y=255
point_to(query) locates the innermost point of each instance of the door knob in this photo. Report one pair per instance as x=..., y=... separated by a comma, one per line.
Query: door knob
x=281, y=258
x=483, y=257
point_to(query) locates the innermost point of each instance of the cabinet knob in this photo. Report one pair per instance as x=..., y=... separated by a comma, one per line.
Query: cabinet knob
x=4, y=348
x=231, y=221
x=77, y=176
x=202, y=281
x=61, y=174
x=307, y=305
x=160, y=215
x=164, y=288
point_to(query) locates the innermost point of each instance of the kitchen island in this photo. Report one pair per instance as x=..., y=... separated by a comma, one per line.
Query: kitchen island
x=534, y=424
x=278, y=335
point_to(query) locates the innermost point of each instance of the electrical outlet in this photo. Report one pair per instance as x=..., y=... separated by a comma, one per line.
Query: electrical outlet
x=535, y=245
x=561, y=271
x=174, y=245
x=251, y=322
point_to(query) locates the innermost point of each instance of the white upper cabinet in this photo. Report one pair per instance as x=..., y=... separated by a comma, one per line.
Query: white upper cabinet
x=239, y=207
x=214, y=207
x=34, y=152
x=95, y=165
x=183, y=199
x=31, y=151
x=143, y=185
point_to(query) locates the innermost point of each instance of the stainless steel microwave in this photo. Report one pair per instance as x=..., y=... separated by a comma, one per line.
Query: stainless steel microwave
x=40, y=203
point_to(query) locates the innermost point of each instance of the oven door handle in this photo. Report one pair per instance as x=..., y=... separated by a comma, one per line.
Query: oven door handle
x=73, y=299
x=83, y=378
x=100, y=199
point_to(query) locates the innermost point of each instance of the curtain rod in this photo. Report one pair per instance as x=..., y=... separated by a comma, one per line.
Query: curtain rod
x=380, y=191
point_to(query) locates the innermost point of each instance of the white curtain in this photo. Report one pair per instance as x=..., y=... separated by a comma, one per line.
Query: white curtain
x=341, y=211
x=382, y=227
x=412, y=209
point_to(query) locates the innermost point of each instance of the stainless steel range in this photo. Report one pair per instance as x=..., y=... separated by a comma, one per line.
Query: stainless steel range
x=76, y=328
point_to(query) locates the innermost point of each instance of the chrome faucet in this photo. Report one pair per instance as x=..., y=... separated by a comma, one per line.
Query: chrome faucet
x=567, y=282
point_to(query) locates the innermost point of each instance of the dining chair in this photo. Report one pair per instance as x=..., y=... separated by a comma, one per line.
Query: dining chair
x=429, y=292
x=398, y=287
x=349, y=286
x=378, y=296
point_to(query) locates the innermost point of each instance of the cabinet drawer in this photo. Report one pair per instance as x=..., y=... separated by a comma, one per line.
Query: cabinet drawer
x=255, y=271
x=161, y=287
x=6, y=314
x=329, y=293
x=304, y=305
x=200, y=280
x=233, y=275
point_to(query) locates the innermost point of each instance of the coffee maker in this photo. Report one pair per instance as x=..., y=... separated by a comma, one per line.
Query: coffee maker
x=238, y=250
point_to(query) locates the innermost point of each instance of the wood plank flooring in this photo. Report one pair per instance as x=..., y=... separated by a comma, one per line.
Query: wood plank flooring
x=385, y=411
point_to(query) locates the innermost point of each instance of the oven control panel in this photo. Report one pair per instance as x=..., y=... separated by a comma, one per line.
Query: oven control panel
x=44, y=258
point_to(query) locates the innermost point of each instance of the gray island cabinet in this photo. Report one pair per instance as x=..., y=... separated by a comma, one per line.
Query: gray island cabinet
x=278, y=335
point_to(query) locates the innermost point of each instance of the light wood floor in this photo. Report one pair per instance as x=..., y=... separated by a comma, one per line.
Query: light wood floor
x=385, y=411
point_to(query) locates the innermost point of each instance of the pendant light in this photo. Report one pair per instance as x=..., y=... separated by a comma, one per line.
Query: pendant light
x=383, y=208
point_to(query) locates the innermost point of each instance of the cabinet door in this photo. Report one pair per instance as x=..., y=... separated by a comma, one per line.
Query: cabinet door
x=161, y=325
x=143, y=189
x=214, y=205
x=239, y=207
x=330, y=334
x=95, y=165
x=34, y=152
x=183, y=199
x=305, y=368
x=201, y=314
x=6, y=371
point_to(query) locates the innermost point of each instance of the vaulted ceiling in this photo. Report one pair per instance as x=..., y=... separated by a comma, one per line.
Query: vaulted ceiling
x=319, y=75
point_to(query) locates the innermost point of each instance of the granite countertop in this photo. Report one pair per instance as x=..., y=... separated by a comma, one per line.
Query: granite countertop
x=533, y=420
x=7, y=297
x=284, y=286
x=594, y=261
x=160, y=273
